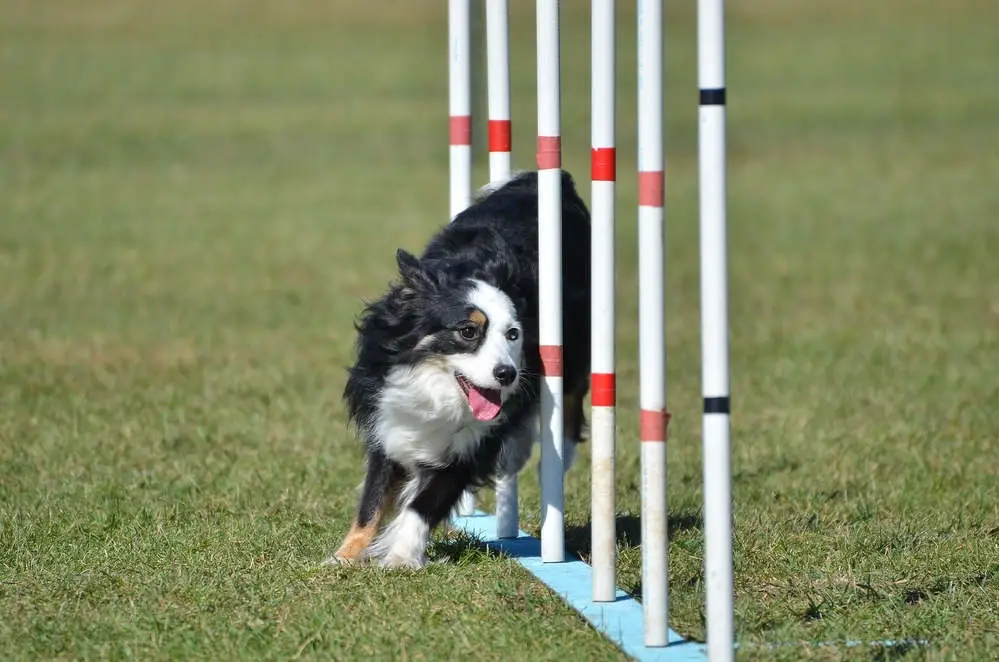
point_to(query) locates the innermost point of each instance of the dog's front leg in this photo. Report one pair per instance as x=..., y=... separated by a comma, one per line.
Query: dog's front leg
x=381, y=485
x=404, y=543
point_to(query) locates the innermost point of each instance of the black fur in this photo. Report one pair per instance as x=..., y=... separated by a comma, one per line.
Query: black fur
x=495, y=240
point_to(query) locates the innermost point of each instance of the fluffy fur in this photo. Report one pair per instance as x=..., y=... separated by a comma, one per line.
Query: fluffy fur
x=444, y=391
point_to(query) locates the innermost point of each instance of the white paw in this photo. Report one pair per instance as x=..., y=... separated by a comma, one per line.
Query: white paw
x=404, y=543
x=407, y=560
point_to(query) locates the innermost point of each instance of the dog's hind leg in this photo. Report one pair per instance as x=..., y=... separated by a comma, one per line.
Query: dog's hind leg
x=466, y=504
x=381, y=485
x=576, y=368
x=574, y=421
x=517, y=446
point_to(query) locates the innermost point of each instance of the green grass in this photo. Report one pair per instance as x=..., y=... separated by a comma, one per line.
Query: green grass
x=195, y=197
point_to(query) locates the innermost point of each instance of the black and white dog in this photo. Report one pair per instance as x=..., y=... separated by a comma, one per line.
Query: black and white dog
x=445, y=387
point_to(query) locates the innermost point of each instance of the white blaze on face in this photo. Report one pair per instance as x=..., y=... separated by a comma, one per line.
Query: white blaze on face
x=501, y=346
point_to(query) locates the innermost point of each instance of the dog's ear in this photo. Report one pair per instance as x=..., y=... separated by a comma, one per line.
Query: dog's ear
x=413, y=274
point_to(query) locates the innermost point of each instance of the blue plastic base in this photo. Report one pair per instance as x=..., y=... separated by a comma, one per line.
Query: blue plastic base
x=619, y=621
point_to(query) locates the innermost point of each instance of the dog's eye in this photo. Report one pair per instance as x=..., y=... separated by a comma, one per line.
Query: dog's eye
x=512, y=335
x=469, y=332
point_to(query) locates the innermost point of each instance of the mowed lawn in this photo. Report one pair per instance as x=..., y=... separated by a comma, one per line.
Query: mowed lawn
x=195, y=197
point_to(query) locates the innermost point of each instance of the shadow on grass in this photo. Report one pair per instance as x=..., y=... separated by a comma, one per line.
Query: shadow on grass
x=884, y=653
x=629, y=531
x=458, y=547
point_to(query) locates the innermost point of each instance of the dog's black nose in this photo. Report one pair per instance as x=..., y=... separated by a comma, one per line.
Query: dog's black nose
x=505, y=374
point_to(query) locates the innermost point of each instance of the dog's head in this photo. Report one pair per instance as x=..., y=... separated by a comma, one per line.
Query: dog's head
x=465, y=330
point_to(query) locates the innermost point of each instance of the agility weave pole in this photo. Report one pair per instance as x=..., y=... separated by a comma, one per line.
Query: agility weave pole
x=549, y=159
x=498, y=80
x=717, y=451
x=603, y=391
x=651, y=323
x=460, y=129
x=606, y=607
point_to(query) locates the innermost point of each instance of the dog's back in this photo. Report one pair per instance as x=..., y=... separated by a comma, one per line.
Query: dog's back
x=509, y=214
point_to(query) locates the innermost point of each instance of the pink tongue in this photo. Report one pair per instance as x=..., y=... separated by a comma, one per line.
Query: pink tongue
x=485, y=404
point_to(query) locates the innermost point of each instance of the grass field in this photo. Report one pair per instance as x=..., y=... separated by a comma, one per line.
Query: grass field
x=195, y=197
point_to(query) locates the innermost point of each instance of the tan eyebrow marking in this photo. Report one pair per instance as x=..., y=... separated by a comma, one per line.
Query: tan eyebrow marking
x=478, y=317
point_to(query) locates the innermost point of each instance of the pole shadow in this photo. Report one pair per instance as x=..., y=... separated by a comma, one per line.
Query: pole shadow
x=629, y=531
x=459, y=547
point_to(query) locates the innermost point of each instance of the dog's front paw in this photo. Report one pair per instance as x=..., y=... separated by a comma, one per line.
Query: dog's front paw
x=409, y=561
x=354, y=551
x=345, y=561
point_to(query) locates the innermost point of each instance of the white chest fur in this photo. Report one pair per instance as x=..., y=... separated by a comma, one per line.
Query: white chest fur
x=424, y=418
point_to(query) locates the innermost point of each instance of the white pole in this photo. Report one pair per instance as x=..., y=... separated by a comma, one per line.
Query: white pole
x=550, y=280
x=652, y=332
x=714, y=331
x=460, y=110
x=460, y=103
x=498, y=76
x=603, y=175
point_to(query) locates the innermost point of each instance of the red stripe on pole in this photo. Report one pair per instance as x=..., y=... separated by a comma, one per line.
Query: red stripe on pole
x=653, y=425
x=650, y=188
x=604, y=389
x=551, y=360
x=461, y=130
x=499, y=135
x=549, y=152
x=603, y=164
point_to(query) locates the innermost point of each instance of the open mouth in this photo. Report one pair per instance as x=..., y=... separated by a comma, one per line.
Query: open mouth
x=485, y=402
